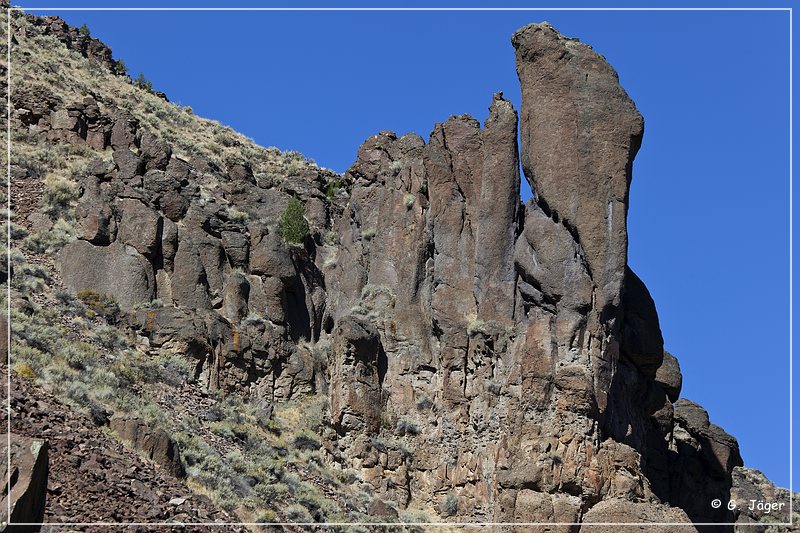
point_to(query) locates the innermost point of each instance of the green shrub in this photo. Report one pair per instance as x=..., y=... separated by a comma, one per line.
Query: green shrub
x=120, y=68
x=450, y=504
x=79, y=355
x=407, y=427
x=368, y=234
x=332, y=188
x=253, y=320
x=25, y=371
x=267, y=517
x=476, y=327
x=100, y=304
x=306, y=441
x=59, y=196
x=272, y=491
x=84, y=31
x=293, y=225
x=36, y=333
x=29, y=278
x=143, y=83
x=174, y=369
x=298, y=513
x=237, y=216
x=423, y=189
x=395, y=167
x=52, y=240
x=111, y=338
x=414, y=517
x=424, y=404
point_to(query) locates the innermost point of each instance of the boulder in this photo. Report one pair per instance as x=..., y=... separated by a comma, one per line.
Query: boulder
x=690, y=415
x=355, y=376
x=155, y=152
x=669, y=376
x=316, y=213
x=532, y=506
x=128, y=164
x=720, y=451
x=174, y=205
x=269, y=255
x=178, y=172
x=237, y=248
x=100, y=167
x=611, y=512
x=235, y=295
x=95, y=220
x=63, y=119
x=296, y=377
x=28, y=460
x=139, y=226
x=241, y=172
x=154, y=443
x=380, y=509
x=123, y=133
x=189, y=280
x=117, y=270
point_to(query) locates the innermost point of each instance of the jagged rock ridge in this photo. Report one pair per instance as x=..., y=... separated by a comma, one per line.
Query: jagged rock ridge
x=481, y=358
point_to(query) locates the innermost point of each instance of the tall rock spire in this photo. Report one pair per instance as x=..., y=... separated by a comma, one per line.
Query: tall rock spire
x=579, y=134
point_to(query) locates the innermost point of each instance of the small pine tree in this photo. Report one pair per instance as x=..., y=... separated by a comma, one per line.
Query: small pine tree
x=293, y=225
x=143, y=83
x=84, y=30
x=120, y=68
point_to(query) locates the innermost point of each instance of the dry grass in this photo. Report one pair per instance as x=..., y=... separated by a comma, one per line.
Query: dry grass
x=40, y=59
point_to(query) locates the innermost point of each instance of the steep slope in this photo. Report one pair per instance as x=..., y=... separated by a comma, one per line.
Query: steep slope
x=93, y=477
x=406, y=341
x=255, y=460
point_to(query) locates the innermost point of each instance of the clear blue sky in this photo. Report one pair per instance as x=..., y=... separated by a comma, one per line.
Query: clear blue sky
x=709, y=203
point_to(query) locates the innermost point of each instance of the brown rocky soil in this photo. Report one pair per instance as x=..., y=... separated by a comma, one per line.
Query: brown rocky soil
x=93, y=477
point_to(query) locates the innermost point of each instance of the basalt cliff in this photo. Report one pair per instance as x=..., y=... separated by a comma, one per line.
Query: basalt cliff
x=223, y=332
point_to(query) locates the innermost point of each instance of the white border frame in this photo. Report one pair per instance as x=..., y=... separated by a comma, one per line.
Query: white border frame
x=392, y=524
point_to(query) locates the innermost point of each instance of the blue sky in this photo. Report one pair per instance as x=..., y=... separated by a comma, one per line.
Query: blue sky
x=709, y=210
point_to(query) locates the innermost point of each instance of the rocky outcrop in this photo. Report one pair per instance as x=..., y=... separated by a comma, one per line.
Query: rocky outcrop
x=482, y=359
x=760, y=502
x=618, y=511
x=703, y=465
x=356, y=374
x=154, y=443
x=146, y=231
x=641, y=341
x=669, y=376
x=524, y=353
x=118, y=270
x=579, y=134
x=74, y=39
x=28, y=461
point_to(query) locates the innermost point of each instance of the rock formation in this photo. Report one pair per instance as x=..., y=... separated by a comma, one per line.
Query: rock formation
x=483, y=359
x=25, y=497
x=155, y=444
